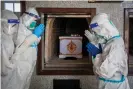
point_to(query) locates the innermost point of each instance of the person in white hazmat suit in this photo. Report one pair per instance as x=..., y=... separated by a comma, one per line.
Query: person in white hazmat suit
x=108, y=53
x=24, y=58
x=9, y=26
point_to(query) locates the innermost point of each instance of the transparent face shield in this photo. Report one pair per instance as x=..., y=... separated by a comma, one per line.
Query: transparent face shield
x=31, y=23
x=95, y=29
x=11, y=26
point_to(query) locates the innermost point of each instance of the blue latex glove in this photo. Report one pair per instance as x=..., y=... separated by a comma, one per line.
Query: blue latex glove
x=34, y=45
x=93, y=50
x=39, y=30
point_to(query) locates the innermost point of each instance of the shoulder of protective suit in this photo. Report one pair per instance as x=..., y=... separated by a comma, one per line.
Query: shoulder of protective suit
x=7, y=14
x=115, y=51
x=116, y=41
x=115, y=44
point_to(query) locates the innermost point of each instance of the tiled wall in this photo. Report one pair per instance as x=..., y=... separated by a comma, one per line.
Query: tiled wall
x=115, y=10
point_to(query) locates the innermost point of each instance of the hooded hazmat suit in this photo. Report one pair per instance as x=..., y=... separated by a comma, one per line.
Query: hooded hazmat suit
x=7, y=34
x=109, y=64
x=25, y=55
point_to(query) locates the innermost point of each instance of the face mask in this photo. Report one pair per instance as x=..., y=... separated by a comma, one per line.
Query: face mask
x=32, y=26
x=101, y=39
x=27, y=20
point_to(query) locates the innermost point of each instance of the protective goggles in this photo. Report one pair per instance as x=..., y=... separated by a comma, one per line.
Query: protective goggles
x=16, y=21
x=93, y=25
x=13, y=21
x=33, y=15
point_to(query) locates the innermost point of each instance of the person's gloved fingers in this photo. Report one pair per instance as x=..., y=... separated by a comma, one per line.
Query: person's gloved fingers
x=41, y=26
x=96, y=50
x=87, y=37
x=88, y=33
x=85, y=31
x=93, y=48
x=89, y=47
x=92, y=51
x=41, y=29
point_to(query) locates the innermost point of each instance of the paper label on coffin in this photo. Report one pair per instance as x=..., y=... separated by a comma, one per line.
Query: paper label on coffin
x=71, y=47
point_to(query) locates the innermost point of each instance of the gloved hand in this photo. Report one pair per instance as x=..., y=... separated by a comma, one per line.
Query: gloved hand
x=29, y=40
x=39, y=30
x=91, y=37
x=93, y=50
x=36, y=42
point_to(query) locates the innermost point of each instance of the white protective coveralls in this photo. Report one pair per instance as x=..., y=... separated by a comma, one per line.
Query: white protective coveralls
x=7, y=35
x=111, y=65
x=24, y=58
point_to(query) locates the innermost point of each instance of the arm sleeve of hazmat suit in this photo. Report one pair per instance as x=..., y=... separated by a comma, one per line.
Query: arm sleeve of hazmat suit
x=38, y=40
x=91, y=37
x=6, y=65
x=27, y=42
x=111, y=63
